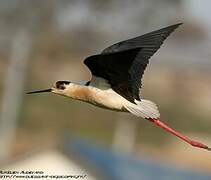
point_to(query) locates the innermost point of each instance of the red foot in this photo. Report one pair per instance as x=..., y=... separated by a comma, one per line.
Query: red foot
x=184, y=138
x=199, y=145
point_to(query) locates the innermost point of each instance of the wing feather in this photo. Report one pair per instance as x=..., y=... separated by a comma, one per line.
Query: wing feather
x=150, y=40
x=123, y=63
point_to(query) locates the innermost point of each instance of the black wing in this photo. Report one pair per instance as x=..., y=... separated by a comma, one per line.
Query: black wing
x=115, y=69
x=150, y=40
x=123, y=63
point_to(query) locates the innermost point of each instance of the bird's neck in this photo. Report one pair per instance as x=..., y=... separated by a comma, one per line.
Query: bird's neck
x=79, y=92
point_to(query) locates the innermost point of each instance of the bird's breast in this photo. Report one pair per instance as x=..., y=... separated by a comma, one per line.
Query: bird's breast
x=107, y=99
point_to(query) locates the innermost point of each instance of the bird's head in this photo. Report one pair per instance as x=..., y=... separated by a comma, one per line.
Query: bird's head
x=60, y=87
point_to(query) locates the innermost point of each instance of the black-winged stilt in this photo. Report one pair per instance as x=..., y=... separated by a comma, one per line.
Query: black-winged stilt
x=116, y=79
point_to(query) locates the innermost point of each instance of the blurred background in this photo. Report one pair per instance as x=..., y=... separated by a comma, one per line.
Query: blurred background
x=45, y=41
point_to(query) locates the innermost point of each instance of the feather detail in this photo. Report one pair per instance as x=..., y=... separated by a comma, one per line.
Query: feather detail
x=144, y=109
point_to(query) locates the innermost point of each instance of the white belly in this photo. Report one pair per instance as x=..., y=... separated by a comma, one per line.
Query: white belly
x=103, y=96
x=108, y=99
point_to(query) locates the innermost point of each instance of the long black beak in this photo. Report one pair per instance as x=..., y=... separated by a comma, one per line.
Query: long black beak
x=40, y=91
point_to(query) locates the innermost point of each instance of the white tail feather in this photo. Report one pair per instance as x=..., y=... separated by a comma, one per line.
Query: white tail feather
x=144, y=109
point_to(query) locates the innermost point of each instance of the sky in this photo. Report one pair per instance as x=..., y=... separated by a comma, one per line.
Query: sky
x=199, y=10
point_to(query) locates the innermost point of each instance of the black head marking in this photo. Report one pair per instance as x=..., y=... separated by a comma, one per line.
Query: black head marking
x=61, y=84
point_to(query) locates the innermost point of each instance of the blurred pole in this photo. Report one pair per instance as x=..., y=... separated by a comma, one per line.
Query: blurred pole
x=13, y=91
x=125, y=133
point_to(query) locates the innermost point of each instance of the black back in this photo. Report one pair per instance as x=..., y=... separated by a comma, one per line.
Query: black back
x=123, y=63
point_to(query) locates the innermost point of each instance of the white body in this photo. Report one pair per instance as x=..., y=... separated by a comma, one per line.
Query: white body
x=99, y=93
x=107, y=98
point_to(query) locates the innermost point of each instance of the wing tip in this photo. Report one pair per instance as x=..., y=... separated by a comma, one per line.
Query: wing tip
x=175, y=26
x=178, y=24
x=169, y=29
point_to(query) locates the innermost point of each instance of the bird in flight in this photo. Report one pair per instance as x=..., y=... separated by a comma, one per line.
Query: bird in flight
x=116, y=79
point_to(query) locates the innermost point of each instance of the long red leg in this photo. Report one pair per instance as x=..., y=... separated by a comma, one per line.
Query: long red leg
x=184, y=138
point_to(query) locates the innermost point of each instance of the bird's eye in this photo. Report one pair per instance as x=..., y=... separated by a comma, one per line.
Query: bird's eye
x=61, y=84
